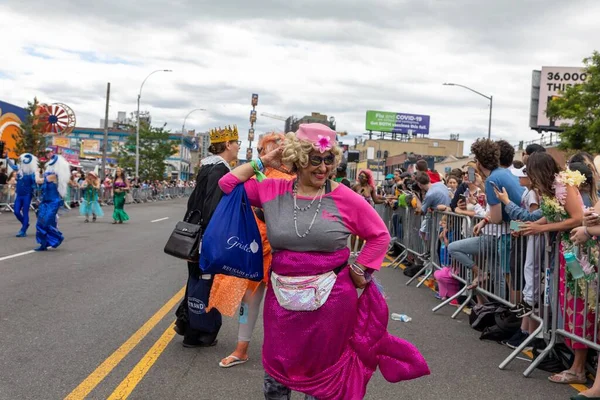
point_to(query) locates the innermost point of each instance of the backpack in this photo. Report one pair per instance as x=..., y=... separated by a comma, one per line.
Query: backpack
x=483, y=315
x=505, y=326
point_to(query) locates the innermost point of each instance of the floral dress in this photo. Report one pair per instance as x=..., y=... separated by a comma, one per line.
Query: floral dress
x=574, y=290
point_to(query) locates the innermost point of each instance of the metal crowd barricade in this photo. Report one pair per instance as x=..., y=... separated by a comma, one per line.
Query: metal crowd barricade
x=457, y=227
x=568, y=306
x=416, y=244
x=7, y=197
x=539, y=250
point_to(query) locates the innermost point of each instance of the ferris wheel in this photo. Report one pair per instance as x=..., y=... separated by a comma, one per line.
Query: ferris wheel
x=56, y=118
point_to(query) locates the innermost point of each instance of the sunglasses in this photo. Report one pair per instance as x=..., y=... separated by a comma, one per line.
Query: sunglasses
x=315, y=161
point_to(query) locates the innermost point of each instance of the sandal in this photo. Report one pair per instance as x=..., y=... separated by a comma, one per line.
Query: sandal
x=568, y=377
x=236, y=361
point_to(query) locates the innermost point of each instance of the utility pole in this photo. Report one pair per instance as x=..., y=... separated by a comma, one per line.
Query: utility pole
x=105, y=142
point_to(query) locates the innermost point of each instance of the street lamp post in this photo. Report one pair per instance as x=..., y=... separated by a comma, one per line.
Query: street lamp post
x=182, y=133
x=490, y=98
x=137, y=128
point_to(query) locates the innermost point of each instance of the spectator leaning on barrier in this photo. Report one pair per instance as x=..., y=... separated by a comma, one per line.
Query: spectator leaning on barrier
x=435, y=194
x=529, y=257
x=582, y=236
x=562, y=211
x=487, y=157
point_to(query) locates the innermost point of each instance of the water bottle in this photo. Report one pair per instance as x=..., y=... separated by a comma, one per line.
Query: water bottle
x=401, y=317
x=573, y=265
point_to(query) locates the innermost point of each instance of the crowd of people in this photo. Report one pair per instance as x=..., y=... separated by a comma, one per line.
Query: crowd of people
x=512, y=205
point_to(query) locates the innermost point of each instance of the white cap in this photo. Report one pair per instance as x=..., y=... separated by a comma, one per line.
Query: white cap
x=519, y=172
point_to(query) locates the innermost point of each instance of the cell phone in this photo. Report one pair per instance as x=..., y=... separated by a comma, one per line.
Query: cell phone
x=515, y=226
x=471, y=174
x=494, y=185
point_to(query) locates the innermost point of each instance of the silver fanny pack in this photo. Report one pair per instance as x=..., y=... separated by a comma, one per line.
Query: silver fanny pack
x=303, y=293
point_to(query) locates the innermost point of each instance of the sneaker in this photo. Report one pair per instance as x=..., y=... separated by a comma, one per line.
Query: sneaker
x=516, y=340
x=526, y=310
x=522, y=309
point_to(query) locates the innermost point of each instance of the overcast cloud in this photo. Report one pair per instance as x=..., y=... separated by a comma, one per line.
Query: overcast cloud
x=337, y=57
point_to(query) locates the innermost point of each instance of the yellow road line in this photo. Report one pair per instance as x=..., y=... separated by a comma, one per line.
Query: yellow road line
x=141, y=369
x=115, y=358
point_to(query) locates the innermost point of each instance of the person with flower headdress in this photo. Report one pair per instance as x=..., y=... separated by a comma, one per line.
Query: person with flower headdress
x=203, y=330
x=54, y=189
x=234, y=296
x=27, y=174
x=321, y=339
x=563, y=209
x=89, y=202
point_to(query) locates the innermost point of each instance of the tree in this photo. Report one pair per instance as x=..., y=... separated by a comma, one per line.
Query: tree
x=581, y=104
x=155, y=148
x=30, y=138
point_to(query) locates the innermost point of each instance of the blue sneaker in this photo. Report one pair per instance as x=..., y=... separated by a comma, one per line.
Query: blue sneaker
x=21, y=234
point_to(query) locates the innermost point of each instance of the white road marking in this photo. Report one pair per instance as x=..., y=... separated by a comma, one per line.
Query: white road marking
x=17, y=255
x=160, y=219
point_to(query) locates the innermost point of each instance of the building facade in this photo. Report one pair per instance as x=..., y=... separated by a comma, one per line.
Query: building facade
x=90, y=143
x=292, y=124
x=382, y=156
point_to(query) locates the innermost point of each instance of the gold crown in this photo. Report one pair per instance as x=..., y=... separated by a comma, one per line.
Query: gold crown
x=226, y=134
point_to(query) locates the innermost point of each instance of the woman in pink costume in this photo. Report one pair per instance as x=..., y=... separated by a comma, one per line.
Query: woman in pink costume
x=321, y=339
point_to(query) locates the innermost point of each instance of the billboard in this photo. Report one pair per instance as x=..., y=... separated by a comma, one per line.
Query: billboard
x=61, y=141
x=554, y=80
x=71, y=155
x=90, y=146
x=409, y=124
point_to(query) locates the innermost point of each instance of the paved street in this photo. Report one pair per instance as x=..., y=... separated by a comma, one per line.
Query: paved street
x=93, y=318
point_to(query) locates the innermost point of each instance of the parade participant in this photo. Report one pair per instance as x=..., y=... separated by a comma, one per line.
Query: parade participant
x=326, y=346
x=27, y=174
x=201, y=205
x=228, y=292
x=54, y=189
x=120, y=189
x=89, y=202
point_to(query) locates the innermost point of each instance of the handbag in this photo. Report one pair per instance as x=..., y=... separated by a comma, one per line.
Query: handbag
x=184, y=241
x=232, y=244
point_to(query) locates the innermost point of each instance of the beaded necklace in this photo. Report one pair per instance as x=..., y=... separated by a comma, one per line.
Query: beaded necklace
x=303, y=209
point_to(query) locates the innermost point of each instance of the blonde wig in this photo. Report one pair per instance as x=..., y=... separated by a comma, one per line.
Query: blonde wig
x=296, y=152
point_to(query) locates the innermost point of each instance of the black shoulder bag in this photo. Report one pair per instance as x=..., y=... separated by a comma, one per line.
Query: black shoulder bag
x=185, y=239
x=184, y=242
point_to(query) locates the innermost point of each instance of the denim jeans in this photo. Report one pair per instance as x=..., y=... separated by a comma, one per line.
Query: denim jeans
x=495, y=251
x=397, y=224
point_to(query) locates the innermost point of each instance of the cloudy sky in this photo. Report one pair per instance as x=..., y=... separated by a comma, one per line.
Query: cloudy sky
x=337, y=57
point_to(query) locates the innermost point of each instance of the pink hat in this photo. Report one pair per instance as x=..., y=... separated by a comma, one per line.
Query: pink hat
x=321, y=136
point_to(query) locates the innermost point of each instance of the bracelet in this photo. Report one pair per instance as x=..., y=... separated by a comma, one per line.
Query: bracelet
x=585, y=230
x=260, y=164
x=357, y=270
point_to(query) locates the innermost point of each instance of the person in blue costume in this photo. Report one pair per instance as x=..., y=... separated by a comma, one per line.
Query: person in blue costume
x=27, y=174
x=54, y=189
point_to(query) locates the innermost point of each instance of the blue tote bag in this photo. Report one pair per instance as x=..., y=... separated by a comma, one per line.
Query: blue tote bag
x=231, y=244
